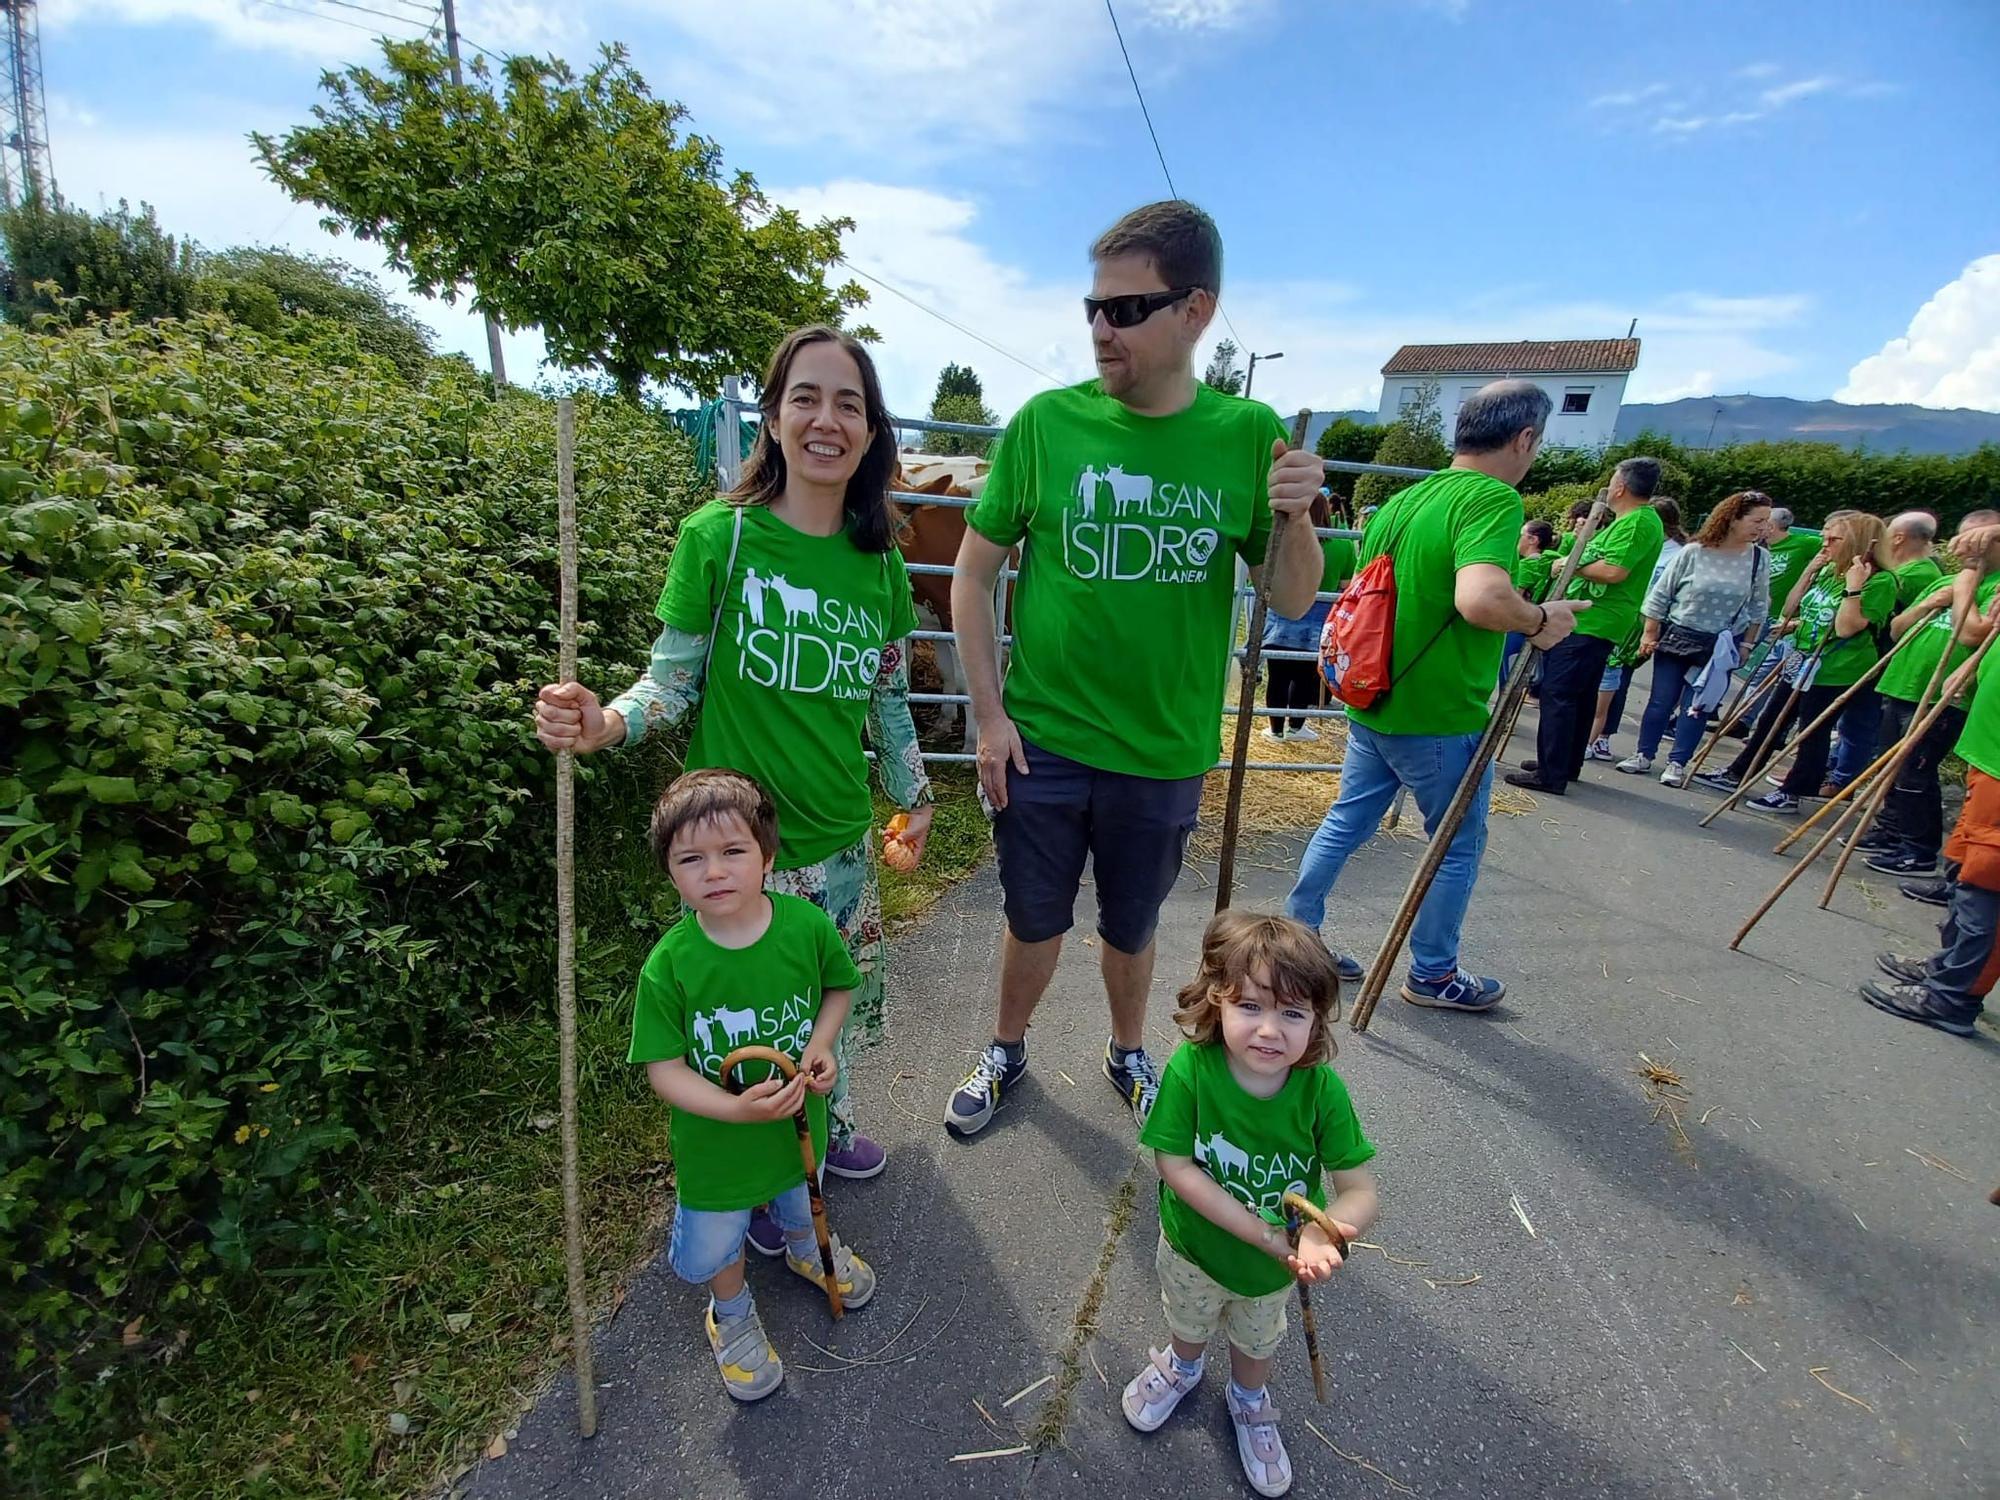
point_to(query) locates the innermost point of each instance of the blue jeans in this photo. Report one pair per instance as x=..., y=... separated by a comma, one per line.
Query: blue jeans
x=1431, y=766
x=1860, y=727
x=1673, y=690
x=705, y=1242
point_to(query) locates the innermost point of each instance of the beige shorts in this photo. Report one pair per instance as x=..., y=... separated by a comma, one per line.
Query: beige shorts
x=1197, y=1306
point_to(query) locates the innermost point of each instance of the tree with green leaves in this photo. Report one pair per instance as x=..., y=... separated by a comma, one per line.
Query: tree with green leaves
x=100, y=264
x=1223, y=373
x=958, y=408
x=264, y=288
x=573, y=204
x=959, y=380
x=1414, y=440
x=1353, y=441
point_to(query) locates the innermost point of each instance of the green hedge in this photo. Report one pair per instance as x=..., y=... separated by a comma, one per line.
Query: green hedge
x=273, y=831
x=1811, y=479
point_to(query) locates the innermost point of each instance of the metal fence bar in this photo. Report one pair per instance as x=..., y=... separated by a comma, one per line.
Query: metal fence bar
x=728, y=449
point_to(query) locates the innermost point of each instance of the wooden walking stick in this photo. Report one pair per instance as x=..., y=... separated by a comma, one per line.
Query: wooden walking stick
x=1246, y=699
x=1864, y=782
x=1922, y=719
x=1298, y=1204
x=829, y=1278
x=572, y=1190
x=1468, y=787
x=1958, y=679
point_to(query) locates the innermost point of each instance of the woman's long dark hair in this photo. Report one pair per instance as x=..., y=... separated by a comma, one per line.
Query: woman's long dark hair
x=867, y=502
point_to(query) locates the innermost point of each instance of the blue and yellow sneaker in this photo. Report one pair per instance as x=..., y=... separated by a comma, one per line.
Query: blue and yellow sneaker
x=1136, y=1077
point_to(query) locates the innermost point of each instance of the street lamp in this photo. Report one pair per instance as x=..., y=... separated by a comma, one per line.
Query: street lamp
x=1251, y=378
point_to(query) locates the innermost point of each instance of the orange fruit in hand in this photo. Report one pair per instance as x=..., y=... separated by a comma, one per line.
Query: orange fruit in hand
x=897, y=854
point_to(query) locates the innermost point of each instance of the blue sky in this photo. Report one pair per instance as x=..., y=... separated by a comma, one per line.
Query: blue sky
x=1792, y=198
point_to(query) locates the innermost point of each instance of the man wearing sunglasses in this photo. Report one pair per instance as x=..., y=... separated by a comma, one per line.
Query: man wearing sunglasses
x=1132, y=496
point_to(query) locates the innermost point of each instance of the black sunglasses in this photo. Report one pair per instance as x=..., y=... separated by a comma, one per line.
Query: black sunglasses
x=1132, y=309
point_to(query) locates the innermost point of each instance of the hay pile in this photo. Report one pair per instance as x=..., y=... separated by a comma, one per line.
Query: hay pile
x=1295, y=801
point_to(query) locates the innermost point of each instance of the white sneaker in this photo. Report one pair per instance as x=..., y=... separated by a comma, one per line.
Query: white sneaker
x=1305, y=732
x=1152, y=1394
x=1635, y=765
x=1265, y=1463
x=1273, y=734
x=1675, y=774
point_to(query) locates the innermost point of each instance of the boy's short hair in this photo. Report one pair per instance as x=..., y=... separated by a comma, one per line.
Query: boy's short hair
x=705, y=796
x=1182, y=242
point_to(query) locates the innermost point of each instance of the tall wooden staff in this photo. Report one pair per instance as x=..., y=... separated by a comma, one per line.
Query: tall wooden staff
x=1483, y=753
x=1246, y=698
x=579, y=1307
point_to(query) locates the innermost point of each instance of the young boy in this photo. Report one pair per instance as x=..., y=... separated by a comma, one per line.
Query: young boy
x=740, y=968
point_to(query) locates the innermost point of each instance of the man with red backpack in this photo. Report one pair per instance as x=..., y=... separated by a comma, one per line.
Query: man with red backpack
x=1430, y=611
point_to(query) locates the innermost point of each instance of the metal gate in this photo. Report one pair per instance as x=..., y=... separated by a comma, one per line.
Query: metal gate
x=728, y=466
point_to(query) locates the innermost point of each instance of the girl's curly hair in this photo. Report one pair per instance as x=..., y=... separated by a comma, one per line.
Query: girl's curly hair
x=1235, y=946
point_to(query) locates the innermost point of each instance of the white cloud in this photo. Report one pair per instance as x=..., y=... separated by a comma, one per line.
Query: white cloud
x=328, y=32
x=1684, y=112
x=206, y=187
x=1950, y=356
x=1625, y=98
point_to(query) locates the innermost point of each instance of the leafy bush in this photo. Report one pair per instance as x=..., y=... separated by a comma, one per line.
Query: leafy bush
x=1552, y=504
x=263, y=288
x=1811, y=479
x=272, y=828
x=1353, y=441
x=1558, y=465
x=103, y=263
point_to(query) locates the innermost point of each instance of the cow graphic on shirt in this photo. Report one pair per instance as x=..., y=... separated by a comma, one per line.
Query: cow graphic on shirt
x=1154, y=529
x=717, y=1032
x=1257, y=1180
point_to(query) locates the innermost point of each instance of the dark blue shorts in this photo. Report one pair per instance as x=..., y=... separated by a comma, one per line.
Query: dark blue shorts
x=1133, y=828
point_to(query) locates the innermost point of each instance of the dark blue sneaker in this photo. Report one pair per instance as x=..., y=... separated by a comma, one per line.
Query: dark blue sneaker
x=1460, y=991
x=765, y=1237
x=1348, y=967
x=973, y=1102
x=1914, y=1002
x=1136, y=1077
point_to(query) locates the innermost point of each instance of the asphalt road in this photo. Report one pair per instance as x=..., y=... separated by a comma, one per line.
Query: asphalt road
x=1657, y=1334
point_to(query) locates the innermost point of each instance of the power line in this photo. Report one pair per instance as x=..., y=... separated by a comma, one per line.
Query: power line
x=320, y=15
x=1140, y=94
x=921, y=307
x=429, y=20
x=1165, y=171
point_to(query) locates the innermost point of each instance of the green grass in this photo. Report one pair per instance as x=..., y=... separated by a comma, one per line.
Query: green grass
x=439, y=1292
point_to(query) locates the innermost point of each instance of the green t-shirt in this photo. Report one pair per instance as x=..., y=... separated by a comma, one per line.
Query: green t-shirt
x=1979, y=742
x=805, y=623
x=1631, y=541
x=1789, y=553
x=702, y=1002
x=1122, y=610
x=1564, y=541
x=1909, y=671
x=1844, y=662
x=1340, y=563
x=1442, y=668
x=1532, y=575
x=1259, y=1149
x=1916, y=579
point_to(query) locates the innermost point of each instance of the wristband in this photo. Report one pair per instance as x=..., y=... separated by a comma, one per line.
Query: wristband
x=1850, y=593
x=1545, y=619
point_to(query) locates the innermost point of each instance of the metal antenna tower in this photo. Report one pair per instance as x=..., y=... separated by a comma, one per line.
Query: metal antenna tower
x=24, y=121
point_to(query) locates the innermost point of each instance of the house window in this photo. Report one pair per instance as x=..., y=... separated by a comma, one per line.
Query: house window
x=1407, y=398
x=1576, y=400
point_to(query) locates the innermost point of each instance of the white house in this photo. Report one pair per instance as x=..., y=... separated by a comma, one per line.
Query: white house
x=1585, y=378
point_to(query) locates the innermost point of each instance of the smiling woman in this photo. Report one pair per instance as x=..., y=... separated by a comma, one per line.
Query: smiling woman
x=784, y=617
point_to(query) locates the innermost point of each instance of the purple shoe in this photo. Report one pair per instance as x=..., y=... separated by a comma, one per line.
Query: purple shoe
x=765, y=1237
x=858, y=1160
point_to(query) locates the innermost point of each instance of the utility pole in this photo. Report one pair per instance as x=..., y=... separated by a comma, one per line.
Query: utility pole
x=493, y=350
x=1251, y=378
x=24, y=122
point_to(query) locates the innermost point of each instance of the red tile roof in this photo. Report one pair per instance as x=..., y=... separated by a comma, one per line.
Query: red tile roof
x=1530, y=357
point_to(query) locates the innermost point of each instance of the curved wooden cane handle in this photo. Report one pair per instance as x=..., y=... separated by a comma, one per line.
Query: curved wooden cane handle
x=1319, y=1216
x=743, y=1055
